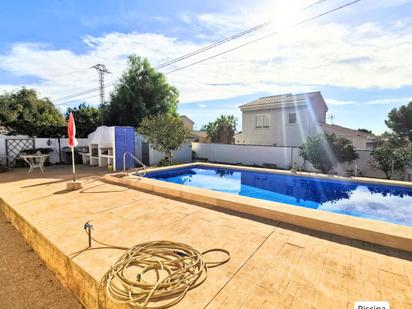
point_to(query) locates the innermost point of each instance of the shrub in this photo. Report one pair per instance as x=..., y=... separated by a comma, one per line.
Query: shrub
x=326, y=150
x=390, y=158
x=164, y=133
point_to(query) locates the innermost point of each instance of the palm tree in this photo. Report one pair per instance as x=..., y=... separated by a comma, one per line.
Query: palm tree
x=222, y=129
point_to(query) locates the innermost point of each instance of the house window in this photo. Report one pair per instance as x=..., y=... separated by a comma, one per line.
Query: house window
x=262, y=121
x=292, y=118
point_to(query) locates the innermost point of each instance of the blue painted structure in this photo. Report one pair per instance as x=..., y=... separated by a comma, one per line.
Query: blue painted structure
x=124, y=141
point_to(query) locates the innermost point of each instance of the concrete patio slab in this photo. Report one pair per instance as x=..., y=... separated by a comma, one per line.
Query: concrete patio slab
x=273, y=265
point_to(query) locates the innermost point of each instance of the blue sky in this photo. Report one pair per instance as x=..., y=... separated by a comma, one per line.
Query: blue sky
x=358, y=57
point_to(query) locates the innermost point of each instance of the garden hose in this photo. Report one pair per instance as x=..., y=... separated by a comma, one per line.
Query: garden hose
x=177, y=268
x=155, y=274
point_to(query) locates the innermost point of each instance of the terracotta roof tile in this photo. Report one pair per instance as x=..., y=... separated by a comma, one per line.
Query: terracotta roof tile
x=280, y=99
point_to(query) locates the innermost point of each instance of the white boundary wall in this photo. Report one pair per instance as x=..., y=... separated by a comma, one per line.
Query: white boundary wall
x=42, y=143
x=246, y=154
x=182, y=155
x=282, y=157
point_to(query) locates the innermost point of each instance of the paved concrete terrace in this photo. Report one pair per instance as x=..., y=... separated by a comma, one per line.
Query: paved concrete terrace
x=273, y=265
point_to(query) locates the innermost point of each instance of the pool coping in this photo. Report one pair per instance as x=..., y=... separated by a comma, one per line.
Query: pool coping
x=377, y=232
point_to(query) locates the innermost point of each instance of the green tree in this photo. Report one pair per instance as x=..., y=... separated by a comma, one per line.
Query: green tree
x=24, y=104
x=400, y=121
x=326, y=150
x=87, y=119
x=164, y=132
x=365, y=131
x=393, y=139
x=23, y=112
x=25, y=127
x=222, y=129
x=391, y=156
x=142, y=91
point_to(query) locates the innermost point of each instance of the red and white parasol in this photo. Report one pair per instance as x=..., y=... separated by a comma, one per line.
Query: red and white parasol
x=71, y=132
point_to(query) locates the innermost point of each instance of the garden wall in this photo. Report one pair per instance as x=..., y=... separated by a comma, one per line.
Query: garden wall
x=282, y=157
x=182, y=155
x=52, y=143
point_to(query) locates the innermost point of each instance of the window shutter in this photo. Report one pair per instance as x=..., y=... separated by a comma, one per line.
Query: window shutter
x=259, y=121
x=292, y=117
x=266, y=121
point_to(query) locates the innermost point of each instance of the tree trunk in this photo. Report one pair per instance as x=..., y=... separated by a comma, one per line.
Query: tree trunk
x=169, y=155
x=324, y=171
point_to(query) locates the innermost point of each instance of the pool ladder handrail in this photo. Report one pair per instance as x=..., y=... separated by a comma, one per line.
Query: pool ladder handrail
x=136, y=159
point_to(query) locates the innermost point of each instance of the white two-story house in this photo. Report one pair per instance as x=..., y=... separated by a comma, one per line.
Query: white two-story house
x=288, y=119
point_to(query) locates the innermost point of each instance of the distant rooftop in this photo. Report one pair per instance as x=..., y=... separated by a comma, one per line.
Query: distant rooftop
x=187, y=118
x=335, y=127
x=281, y=99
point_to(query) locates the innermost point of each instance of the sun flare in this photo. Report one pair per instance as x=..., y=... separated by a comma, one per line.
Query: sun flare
x=284, y=12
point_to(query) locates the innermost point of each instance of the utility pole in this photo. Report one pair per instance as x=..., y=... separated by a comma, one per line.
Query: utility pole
x=331, y=118
x=101, y=70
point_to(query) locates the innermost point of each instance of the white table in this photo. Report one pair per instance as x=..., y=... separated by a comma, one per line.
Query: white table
x=35, y=161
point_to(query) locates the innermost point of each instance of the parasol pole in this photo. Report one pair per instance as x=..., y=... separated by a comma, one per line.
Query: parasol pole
x=74, y=169
x=71, y=132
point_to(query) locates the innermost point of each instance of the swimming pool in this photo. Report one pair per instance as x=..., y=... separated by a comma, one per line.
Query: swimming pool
x=379, y=202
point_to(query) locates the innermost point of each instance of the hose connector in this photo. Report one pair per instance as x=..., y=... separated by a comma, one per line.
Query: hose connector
x=88, y=228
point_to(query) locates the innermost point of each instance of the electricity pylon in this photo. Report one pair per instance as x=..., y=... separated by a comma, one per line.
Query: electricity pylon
x=101, y=70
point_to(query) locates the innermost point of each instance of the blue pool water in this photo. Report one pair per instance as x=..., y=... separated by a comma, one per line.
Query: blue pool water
x=380, y=202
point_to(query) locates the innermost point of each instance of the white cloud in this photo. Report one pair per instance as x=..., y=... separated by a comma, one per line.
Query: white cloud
x=339, y=102
x=366, y=202
x=396, y=101
x=63, y=72
x=239, y=16
x=363, y=56
x=385, y=101
x=122, y=18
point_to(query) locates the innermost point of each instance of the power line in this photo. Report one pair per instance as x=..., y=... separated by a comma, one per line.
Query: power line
x=263, y=37
x=77, y=94
x=193, y=53
x=231, y=38
x=77, y=100
x=201, y=50
x=314, y=4
x=255, y=40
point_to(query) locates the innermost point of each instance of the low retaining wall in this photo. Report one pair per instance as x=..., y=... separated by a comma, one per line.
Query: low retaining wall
x=84, y=287
x=381, y=233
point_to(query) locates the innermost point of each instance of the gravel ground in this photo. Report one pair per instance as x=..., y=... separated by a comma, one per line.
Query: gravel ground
x=25, y=280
